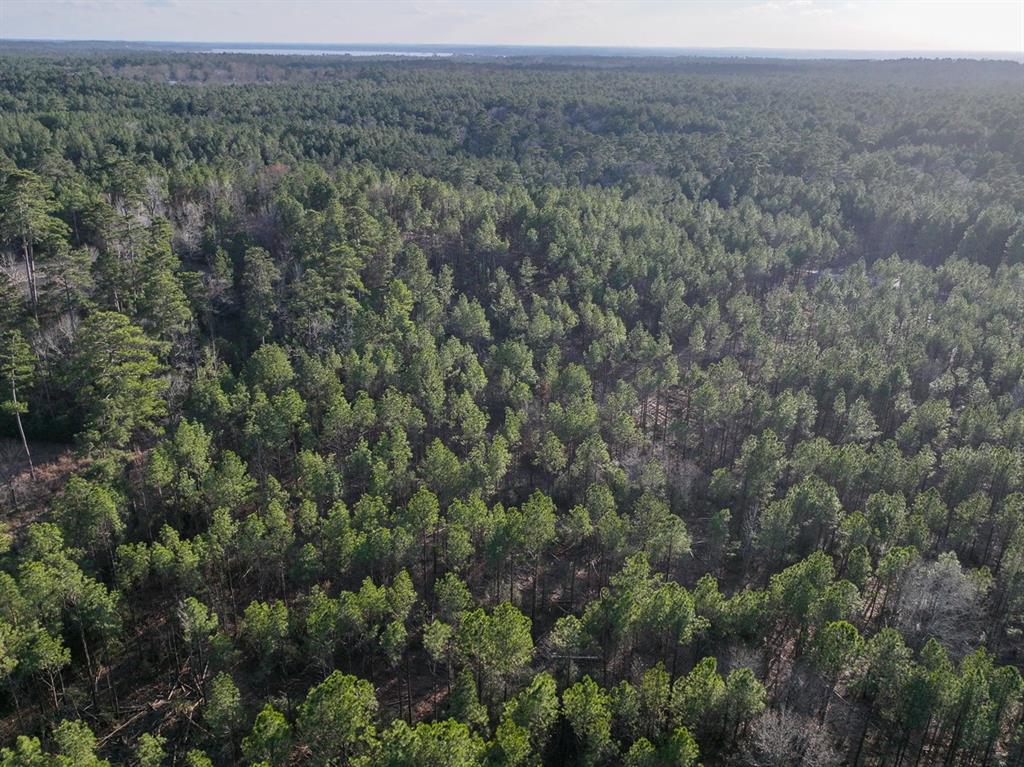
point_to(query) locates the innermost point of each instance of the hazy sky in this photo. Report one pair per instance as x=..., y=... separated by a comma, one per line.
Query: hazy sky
x=927, y=25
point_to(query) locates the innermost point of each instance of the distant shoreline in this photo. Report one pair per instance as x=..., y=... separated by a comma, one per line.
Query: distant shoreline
x=426, y=50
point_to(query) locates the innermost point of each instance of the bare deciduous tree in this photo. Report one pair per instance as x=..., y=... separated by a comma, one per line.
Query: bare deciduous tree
x=783, y=738
x=939, y=599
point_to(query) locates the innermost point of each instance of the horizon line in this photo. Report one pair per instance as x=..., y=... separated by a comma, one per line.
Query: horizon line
x=904, y=52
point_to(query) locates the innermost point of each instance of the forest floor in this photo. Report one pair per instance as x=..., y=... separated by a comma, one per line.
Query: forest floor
x=21, y=497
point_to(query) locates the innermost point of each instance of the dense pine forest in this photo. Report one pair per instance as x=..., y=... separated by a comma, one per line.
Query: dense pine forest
x=507, y=413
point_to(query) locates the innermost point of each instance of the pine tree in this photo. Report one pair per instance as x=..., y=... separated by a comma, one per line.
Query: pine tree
x=118, y=380
x=26, y=208
x=17, y=369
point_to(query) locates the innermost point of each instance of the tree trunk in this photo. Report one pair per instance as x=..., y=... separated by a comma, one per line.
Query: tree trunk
x=572, y=584
x=21, y=431
x=69, y=304
x=30, y=272
x=533, y=596
x=828, y=700
x=863, y=737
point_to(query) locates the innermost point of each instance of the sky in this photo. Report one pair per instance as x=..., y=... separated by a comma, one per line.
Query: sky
x=876, y=25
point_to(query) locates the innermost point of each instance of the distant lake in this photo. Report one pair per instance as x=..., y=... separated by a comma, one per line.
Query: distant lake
x=506, y=51
x=328, y=52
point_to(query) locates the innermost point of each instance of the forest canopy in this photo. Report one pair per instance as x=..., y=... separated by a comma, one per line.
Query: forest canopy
x=510, y=412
